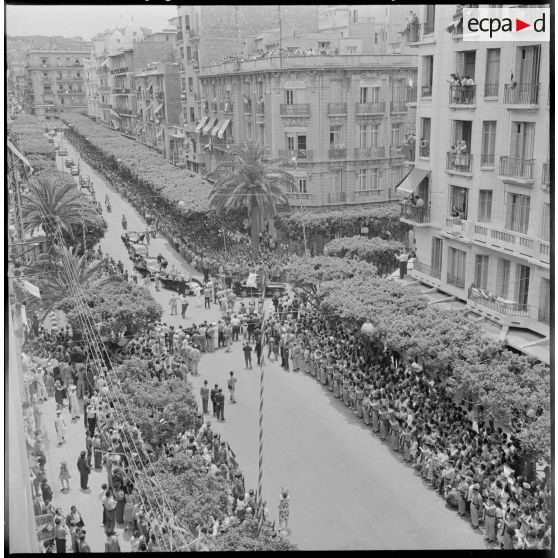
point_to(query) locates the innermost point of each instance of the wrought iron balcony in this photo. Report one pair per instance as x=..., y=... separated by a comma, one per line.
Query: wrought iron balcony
x=459, y=162
x=424, y=150
x=298, y=154
x=517, y=168
x=462, y=94
x=521, y=94
x=370, y=108
x=415, y=214
x=299, y=109
x=336, y=108
x=412, y=33
x=505, y=307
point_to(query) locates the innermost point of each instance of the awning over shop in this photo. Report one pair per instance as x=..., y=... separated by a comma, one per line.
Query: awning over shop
x=411, y=182
x=114, y=114
x=222, y=129
x=209, y=125
x=215, y=128
x=201, y=124
x=159, y=107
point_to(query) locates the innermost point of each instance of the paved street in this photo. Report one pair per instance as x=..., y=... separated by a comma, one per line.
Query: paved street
x=348, y=490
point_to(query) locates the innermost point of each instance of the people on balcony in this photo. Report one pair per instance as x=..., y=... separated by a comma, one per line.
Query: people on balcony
x=411, y=30
x=461, y=158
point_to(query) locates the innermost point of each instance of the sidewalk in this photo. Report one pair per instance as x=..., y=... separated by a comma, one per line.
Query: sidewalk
x=87, y=502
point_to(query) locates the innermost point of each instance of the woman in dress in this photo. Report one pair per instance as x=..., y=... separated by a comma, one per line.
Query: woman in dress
x=64, y=476
x=129, y=512
x=119, y=496
x=359, y=395
x=59, y=394
x=74, y=405
x=97, y=451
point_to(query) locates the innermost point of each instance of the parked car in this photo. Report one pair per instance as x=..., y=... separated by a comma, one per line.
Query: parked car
x=84, y=182
x=74, y=170
x=180, y=283
x=147, y=266
x=68, y=162
x=271, y=287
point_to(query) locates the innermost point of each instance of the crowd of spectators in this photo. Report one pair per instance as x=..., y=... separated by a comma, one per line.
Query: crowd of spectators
x=455, y=447
x=262, y=54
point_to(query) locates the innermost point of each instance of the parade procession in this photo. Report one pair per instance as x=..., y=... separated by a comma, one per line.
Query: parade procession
x=275, y=340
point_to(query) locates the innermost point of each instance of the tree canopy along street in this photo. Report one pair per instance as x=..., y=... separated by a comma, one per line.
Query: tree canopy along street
x=344, y=412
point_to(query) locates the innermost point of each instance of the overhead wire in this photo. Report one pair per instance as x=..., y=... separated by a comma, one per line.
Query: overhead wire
x=95, y=345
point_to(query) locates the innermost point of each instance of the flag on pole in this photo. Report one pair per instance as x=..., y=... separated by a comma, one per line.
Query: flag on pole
x=32, y=289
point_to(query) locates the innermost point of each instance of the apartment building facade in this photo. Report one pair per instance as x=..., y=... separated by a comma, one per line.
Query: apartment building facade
x=54, y=81
x=337, y=120
x=481, y=167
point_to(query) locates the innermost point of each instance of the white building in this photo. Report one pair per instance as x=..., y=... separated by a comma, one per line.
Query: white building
x=483, y=235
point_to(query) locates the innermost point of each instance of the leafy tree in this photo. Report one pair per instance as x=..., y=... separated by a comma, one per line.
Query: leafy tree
x=245, y=537
x=380, y=252
x=114, y=308
x=307, y=274
x=252, y=182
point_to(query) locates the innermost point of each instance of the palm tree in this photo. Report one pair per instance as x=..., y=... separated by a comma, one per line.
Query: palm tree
x=50, y=201
x=252, y=182
x=63, y=269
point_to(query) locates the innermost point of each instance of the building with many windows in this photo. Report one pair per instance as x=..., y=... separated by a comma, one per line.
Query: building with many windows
x=54, y=81
x=339, y=120
x=482, y=171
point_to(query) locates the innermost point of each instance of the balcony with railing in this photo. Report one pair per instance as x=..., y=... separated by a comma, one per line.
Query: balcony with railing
x=517, y=170
x=363, y=109
x=499, y=305
x=298, y=109
x=301, y=155
x=455, y=280
x=369, y=152
x=459, y=163
x=546, y=173
x=424, y=149
x=337, y=152
x=511, y=241
x=414, y=215
x=521, y=95
x=398, y=106
x=411, y=94
x=336, y=108
x=462, y=96
x=411, y=33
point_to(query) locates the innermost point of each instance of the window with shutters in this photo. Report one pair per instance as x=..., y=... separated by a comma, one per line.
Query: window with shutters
x=362, y=176
x=436, y=257
x=289, y=97
x=396, y=135
x=374, y=134
x=481, y=271
x=456, y=267
x=488, y=143
x=427, y=76
x=522, y=280
x=302, y=185
x=517, y=213
x=363, y=95
x=362, y=135
x=485, y=205
x=522, y=140
x=459, y=201
x=544, y=301
x=545, y=222
x=335, y=135
x=465, y=63
x=492, y=76
x=503, y=267
x=374, y=179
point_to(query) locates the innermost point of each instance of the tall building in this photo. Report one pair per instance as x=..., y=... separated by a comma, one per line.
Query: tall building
x=339, y=117
x=482, y=170
x=54, y=81
x=339, y=120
